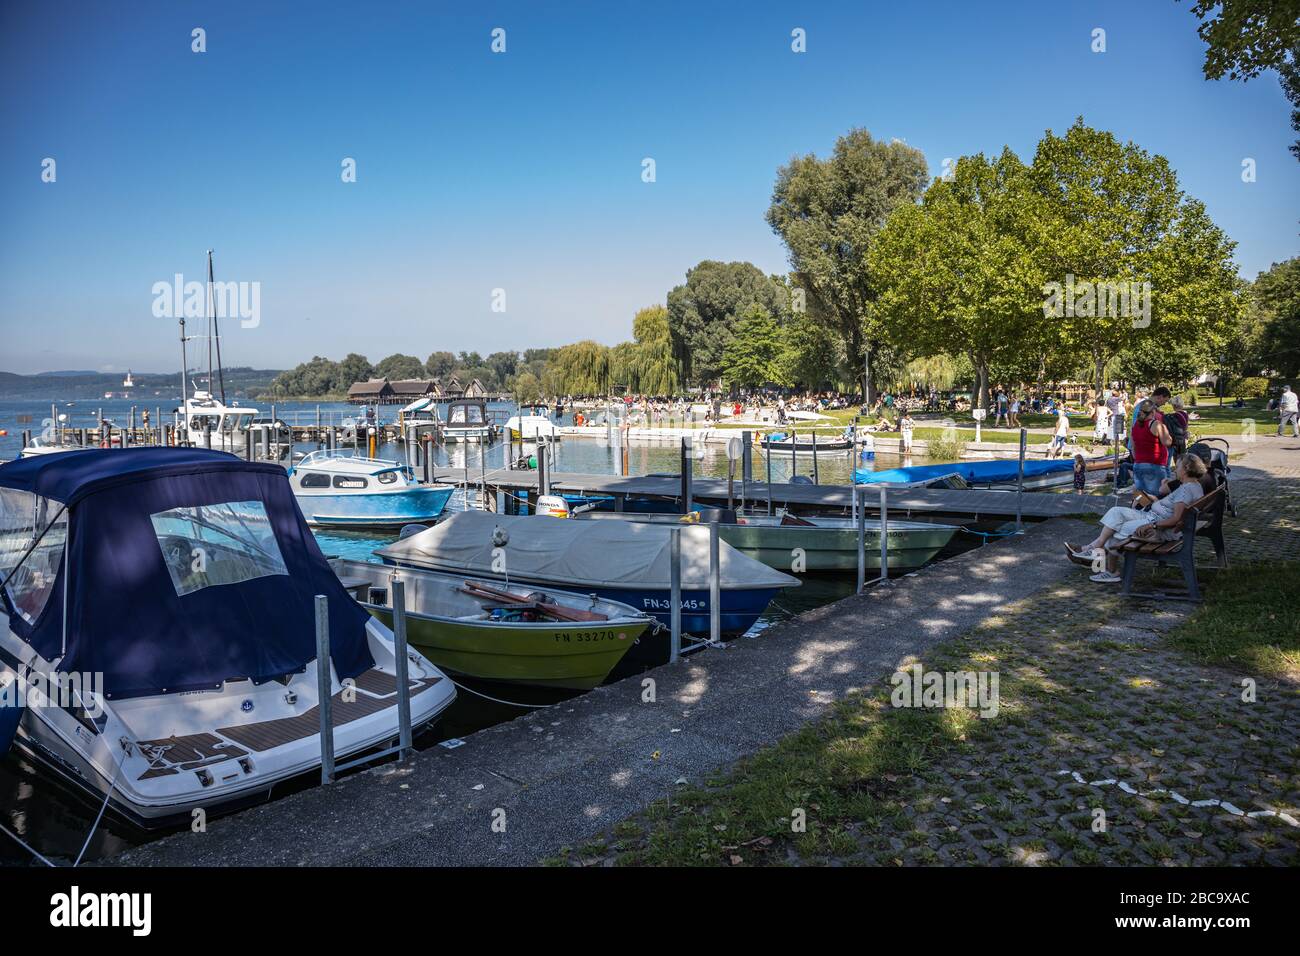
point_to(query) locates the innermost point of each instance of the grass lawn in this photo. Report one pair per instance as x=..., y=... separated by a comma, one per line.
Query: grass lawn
x=1250, y=620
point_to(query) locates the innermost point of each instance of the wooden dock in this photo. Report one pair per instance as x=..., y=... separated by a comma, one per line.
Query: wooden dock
x=966, y=505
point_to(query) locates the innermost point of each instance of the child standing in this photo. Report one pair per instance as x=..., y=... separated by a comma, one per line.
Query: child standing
x=905, y=425
x=1080, y=473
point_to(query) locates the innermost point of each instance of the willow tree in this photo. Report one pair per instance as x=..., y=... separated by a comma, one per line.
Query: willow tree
x=828, y=212
x=654, y=366
x=582, y=368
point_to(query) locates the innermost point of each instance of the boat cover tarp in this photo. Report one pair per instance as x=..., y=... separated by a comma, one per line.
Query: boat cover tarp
x=580, y=554
x=126, y=619
x=973, y=471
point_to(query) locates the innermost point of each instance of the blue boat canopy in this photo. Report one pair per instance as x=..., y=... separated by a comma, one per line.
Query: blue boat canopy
x=189, y=568
x=975, y=472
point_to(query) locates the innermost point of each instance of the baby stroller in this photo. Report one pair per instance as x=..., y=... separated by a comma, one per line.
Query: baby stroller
x=1216, y=460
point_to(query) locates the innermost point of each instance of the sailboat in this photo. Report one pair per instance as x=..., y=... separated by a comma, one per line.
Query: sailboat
x=206, y=420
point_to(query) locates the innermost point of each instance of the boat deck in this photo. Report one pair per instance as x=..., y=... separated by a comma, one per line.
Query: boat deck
x=965, y=504
x=377, y=691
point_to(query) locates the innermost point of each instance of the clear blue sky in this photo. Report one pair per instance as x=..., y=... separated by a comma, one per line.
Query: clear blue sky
x=523, y=171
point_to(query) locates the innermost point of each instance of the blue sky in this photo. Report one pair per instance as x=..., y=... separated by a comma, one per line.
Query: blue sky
x=522, y=170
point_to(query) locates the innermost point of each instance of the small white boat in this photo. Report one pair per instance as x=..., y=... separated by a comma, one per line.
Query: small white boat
x=191, y=681
x=339, y=489
x=467, y=420
x=531, y=427
x=209, y=423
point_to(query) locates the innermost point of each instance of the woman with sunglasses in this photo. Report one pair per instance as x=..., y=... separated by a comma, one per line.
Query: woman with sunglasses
x=1150, y=443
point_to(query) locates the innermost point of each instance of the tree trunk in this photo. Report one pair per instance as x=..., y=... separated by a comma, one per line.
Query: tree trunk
x=1099, y=371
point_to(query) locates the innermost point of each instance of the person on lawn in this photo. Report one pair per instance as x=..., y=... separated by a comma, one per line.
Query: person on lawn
x=1162, y=522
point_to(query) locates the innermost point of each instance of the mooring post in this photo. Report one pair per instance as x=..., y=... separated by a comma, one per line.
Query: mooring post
x=402, y=669
x=687, y=467
x=324, y=689
x=1020, y=476
x=543, y=471
x=884, y=534
x=794, y=453
x=715, y=584
x=747, y=459
x=862, y=538
x=675, y=594
x=767, y=458
x=816, y=480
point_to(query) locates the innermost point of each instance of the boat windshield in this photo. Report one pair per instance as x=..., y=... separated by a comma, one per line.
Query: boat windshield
x=466, y=414
x=209, y=545
x=23, y=516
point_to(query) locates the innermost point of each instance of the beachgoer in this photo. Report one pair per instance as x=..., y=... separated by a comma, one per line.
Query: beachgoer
x=1176, y=422
x=1059, y=434
x=1101, y=422
x=1080, y=473
x=1288, y=412
x=905, y=425
x=1162, y=522
x=1149, y=442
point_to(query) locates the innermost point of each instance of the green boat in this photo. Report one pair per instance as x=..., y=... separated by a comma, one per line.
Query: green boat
x=815, y=544
x=500, y=632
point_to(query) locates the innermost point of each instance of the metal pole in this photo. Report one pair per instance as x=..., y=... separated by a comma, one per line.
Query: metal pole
x=325, y=686
x=816, y=480
x=675, y=594
x=767, y=458
x=884, y=534
x=862, y=538
x=715, y=584
x=688, y=467
x=1020, y=476
x=401, y=666
x=794, y=460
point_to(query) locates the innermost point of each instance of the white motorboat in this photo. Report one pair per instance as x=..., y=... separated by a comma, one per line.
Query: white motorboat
x=340, y=489
x=165, y=600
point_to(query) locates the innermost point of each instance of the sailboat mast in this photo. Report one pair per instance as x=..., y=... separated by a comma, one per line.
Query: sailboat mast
x=185, y=392
x=216, y=334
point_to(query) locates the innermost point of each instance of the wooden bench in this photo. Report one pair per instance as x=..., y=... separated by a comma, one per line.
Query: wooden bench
x=1198, y=517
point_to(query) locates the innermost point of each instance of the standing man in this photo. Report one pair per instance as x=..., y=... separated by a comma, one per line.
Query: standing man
x=1001, y=414
x=1288, y=412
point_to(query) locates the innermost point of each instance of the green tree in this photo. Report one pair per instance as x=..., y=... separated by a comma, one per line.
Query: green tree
x=812, y=355
x=440, y=364
x=1246, y=37
x=828, y=212
x=753, y=356
x=398, y=366
x=703, y=312
x=958, y=273
x=582, y=368
x=1115, y=217
x=354, y=368
x=654, y=365
x=1275, y=300
x=528, y=388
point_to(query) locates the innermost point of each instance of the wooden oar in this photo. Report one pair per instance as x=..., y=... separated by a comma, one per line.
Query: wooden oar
x=554, y=610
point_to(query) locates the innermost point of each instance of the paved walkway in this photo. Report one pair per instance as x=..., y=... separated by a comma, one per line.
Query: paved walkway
x=1089, y=688
x=1101, y=720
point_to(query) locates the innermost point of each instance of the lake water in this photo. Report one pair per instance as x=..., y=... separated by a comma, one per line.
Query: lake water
x=55, y=821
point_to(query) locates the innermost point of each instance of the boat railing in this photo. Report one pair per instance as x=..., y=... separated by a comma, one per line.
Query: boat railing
x=337, y=454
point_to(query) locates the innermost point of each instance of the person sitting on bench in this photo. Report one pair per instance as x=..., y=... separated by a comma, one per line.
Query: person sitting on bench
x=1160, y=523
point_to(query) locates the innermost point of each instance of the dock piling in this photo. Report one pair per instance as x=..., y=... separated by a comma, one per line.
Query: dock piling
x=1020, y=479
x=324, y=684
x=884, y=535
x=861, y=507
x=675, y=594
x=402, y=669
x=715, y=584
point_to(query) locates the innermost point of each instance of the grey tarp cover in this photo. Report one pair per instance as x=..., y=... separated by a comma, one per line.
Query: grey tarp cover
x=580, y=554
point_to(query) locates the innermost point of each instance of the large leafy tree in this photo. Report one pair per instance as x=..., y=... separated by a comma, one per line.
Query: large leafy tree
x=582, y=368
x=1245, y=37
x=959, y=273
x=702, y=313
x=398, y=366
x=828, y=212
x=753, y=356
x=1275, y=299
x=812, y=355
x=440, y=364
x=1113, y=213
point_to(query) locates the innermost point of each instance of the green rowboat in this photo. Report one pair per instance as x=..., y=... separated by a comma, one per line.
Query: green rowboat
x=817, y=543
x=503, y=632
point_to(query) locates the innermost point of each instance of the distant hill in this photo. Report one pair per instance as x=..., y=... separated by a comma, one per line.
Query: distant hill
x=78, y=386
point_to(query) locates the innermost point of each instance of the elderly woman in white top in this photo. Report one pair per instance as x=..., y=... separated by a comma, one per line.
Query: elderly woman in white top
x=1162, y=522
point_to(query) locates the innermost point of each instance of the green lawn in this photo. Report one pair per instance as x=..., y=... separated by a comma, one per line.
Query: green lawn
x=1249, y=621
